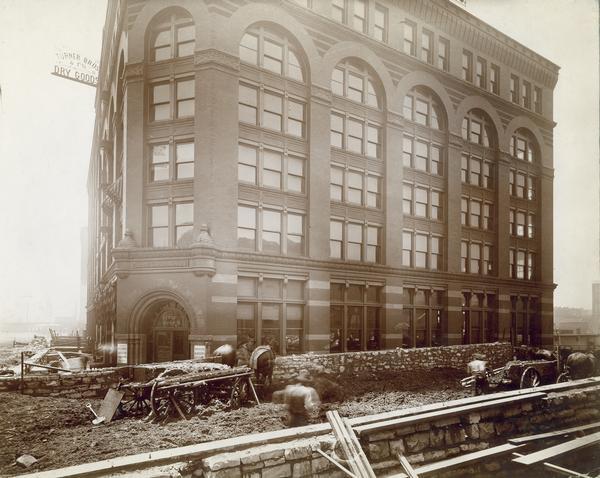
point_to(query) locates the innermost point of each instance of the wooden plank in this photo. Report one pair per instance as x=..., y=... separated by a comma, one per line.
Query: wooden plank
x=557, y=433
x=358, y=449
x=560, y=470
x=343, y=439
x=463, y=460
x=444, y=413
x=407, y=467
x=110, y=404
x=557, y=450
x=325, y=455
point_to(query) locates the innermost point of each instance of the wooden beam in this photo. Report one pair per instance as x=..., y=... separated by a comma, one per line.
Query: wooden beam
x=463, y=460
x=444, y=413
x=357, y=460
x=557, y=433
x=407, y=467
x=560, y=470
x=336, y=463
x=358, y=449
x=557, y=450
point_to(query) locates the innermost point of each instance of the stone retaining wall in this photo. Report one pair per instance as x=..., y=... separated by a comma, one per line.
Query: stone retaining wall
x=351, y=363
x=71, y=385
x=425, y=442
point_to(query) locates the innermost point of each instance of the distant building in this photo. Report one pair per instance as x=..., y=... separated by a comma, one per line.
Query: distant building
x=320, y=176
x=596, y=306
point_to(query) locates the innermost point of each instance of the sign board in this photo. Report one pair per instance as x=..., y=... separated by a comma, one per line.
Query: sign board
x=121, y=353
x=199, y=351
x=76, y=67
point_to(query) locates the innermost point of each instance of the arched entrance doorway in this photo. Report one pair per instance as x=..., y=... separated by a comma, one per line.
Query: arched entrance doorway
x=167, y=330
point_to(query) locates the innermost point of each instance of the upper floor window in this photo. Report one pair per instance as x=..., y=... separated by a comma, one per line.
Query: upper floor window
x=523, y=146
x=274, y=52
x=338, y=10
x=409, y=44
x=170, y=225
x=526, y=94
x=480, y=73
x=380, y=23
x=423, y=107
x=355, y=186
x=477, y=128
x=537, y=100
x=271, y=109
x=173, y=35
x=172, y=161
x=427, y=46
x=420, y=249
x=467, y=65
x=443, y=54
x=354, y=241
x=353, y=81
x=514, y=89
x=422, y=155
x=359, y=20
x=495, y=79
x=355, y=135
x=172, y=99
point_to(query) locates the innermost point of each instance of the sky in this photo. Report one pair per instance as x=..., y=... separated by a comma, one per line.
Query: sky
x=46, y=127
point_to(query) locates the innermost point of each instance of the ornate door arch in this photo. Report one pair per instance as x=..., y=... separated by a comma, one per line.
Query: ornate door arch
x=170, y=331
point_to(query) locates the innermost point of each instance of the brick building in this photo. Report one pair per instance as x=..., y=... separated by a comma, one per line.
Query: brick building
x=318, y=175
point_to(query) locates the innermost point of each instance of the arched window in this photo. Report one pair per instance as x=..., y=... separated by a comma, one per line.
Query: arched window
x=523, y=146
x=273, y=51
x=477, y=128
x=422, y=106
x=352, y=80
x=172, y=36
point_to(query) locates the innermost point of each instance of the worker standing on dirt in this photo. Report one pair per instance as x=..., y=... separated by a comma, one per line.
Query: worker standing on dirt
x=478, y=369
x=301, y=402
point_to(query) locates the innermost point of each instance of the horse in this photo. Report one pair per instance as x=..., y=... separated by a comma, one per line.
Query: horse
x=581, y=365
x=260, y=359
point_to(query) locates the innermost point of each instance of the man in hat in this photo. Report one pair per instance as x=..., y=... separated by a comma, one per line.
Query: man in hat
x=478, y=369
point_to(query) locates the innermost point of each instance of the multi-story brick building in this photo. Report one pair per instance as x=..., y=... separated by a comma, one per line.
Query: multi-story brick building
x=318, y=175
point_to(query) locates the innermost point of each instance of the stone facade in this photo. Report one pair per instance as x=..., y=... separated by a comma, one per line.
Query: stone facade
x=321, y=243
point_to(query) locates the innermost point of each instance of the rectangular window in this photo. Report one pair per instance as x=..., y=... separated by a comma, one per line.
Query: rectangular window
x=295, y=119
x=526, y=93
x=272, y=167
x=380, y=23
x=185, y=40
x=464, y=167
x=355, y=187
x=495, y=79
x=295, y=174
x=436, y=160
x=336, y=239
x=247, y=163
x=184, y=223
x=159, y=168
x=355, y=89
x=467, y=66
x=336, y=186
x=407, y=107
x=337, y=130
x=511, y=182
x=271, y=231
x=475, y=259
x=295, y=234
x=407, y=249
x=373, y=192
x=436, y=205
x=355, y=136
x=373, y=141
x=360, y=16
x=409, y=38
x=520, y=185
x=159, y=226
x=537, y=100
x=338, y=10
x=530, y=226
x=185, y=98
x=480, y=73
x=184, y=160
x=475, y=218
x=355, y=241
x=427, y=47
x=420, y=250
x=407, y=150
x=488, y=263
x=464, y=211
x=272, y=111
x=464, y=255
x=475, y=178
x=248, y=104
x=511, y=221
x=421, y=112
x=488, y=175
x=520, y=216
x=530, y=188
x=530, y=266
x=421, y=202
x=514, y=89
x=421, y=156
x=520, y=264
x=162, y=45
x=249, y=49
x=443, y=54
x=272, y=56
x=435, y=258
x=407, y=199
x=373, y=244
x=511, y=263
x=161, y=102
x=488, y=217
x=246, y=231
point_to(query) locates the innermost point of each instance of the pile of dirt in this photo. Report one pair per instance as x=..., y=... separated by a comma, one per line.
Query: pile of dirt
x=58, y=431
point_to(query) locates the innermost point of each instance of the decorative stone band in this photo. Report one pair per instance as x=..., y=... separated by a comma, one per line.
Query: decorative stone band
x=220, y=299
x=224, y=278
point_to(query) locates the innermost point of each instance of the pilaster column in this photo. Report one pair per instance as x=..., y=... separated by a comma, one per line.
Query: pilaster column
x=394, y=174
x=317, y=320
x=319, y=126
x=453, y=194
x=544, y=261
x=133, y=153
x=216, y=146
x=502, y=212
x=392, y=330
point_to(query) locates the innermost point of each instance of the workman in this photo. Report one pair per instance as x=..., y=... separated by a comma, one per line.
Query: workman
x=301, y=402
x=478, y=369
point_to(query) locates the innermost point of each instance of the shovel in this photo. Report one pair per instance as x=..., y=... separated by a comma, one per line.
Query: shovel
x=98, y=420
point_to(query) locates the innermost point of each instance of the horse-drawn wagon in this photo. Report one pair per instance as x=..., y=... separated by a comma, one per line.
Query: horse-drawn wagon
x=519, y=374
x=176, y=392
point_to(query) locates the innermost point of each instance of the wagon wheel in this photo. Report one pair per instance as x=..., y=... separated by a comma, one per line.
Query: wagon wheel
x=172, y=402
x=563, y=377
x=239, y=393
x=135, y=402
x=530, y=378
